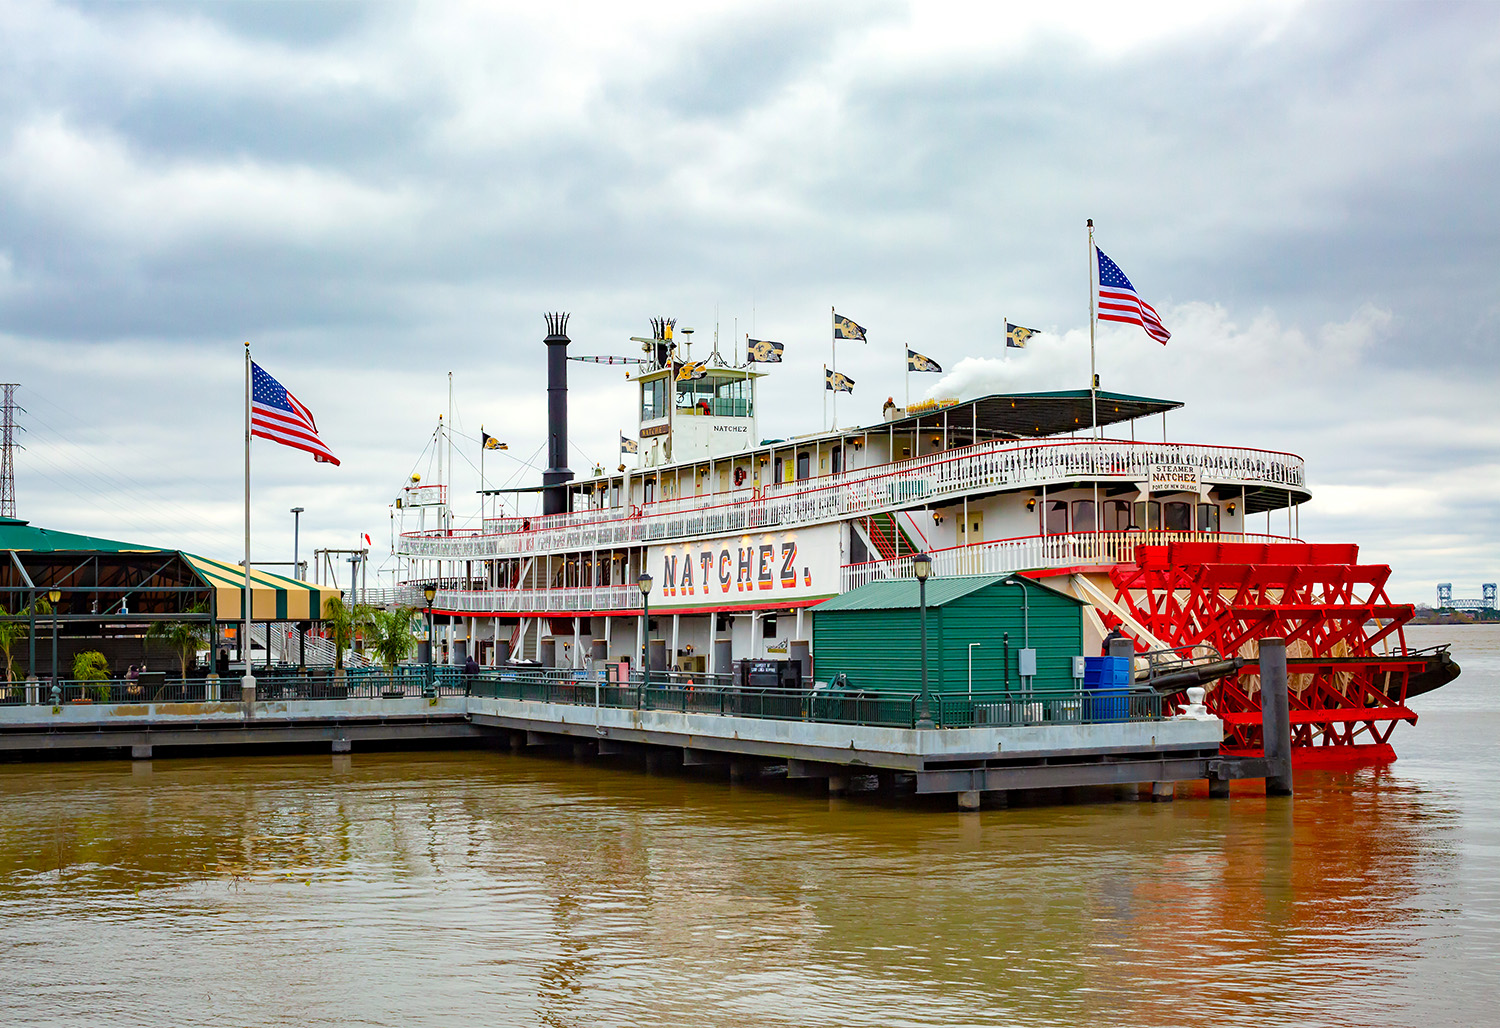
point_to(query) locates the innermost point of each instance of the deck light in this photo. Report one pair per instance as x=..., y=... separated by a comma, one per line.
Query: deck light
x=1031, y=505
x=644, y=582
x=921, y=566
x=54, y=595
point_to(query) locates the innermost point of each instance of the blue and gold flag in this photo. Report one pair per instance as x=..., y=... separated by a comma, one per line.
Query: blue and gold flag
x=918, y=362
x=691, y=370
x=1016, y=336
x=763, y=351
x=837, y=381
x=629, y=445
x=843, y=328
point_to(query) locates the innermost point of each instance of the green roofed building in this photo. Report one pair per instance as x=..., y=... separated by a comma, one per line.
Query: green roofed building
x=871, y=634
x=108, y=593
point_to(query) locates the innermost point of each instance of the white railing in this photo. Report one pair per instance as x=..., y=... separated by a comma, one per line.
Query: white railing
x=937, y=477
x=999, y=557
x=1003, y=556
x=506, y=601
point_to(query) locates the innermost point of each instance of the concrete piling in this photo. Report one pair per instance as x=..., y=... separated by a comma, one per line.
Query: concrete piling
x=969, y=801
x=140, y=752
x=342, y=746
x=1275, y=716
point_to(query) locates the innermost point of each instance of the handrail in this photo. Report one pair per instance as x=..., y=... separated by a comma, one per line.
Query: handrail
x=996, y=557
x=1025, y=553
x=859, y=492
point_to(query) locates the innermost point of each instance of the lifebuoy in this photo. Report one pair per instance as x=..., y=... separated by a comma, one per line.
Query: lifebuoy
x=739, y=476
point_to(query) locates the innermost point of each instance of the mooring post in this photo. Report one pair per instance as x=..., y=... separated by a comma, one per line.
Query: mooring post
x=1275, y=717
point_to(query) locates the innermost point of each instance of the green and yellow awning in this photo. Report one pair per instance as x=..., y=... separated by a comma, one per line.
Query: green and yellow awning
x=273, y=597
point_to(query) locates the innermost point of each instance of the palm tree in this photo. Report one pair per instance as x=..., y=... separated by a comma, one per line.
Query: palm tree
x=15, y=629
x=390, y=634
x=343, y=622
x=183, y=638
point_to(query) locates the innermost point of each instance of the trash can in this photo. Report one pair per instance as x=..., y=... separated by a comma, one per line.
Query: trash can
x=1106, y=688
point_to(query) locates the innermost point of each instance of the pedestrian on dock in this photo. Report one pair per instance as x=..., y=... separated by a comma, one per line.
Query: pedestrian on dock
x=1114, y=633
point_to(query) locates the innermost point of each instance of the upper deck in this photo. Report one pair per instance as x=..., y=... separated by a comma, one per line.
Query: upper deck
x=1264, y=479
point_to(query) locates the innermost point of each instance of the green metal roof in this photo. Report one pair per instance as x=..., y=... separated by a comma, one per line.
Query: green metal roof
x=16, y=534
x=903, y=593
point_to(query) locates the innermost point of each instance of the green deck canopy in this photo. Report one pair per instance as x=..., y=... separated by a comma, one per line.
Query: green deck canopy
x=274, y=597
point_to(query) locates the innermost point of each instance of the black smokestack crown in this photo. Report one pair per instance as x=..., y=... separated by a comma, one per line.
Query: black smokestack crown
x=554, y=479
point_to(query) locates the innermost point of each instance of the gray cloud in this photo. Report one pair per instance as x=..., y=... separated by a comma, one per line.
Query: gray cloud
x=377, y=194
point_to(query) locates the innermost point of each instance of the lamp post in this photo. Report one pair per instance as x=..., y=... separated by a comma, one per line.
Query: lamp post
x=297, y=574
x=53, y=596
x=429, y=591
x=921, y=566
x=296, y=538
x=645, y=585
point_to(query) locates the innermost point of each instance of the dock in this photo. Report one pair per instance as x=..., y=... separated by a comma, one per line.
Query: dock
x=977, y=745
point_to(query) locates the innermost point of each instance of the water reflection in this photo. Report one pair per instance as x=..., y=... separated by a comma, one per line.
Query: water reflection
x=460, y=888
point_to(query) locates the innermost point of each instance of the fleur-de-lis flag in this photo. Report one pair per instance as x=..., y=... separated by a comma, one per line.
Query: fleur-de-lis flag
x=763, y=351
x=837, y=381
x=692, y=370
x=1016, y=336
x=919, y=362
x=629, y=445
x=844, y=328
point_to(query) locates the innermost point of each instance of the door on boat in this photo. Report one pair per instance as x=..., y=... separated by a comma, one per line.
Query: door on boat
x=970, y=530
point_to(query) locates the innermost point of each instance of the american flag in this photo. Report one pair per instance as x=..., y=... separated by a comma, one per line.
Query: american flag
x=1118, y=301
x=276, y=414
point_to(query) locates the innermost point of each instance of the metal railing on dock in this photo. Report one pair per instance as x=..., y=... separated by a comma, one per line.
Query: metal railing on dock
x=668, y=691
x=717, y=694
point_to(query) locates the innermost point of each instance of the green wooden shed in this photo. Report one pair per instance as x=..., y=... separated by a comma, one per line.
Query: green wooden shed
x=872, y=634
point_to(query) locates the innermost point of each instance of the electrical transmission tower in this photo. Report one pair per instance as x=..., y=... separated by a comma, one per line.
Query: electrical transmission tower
x=8, y=451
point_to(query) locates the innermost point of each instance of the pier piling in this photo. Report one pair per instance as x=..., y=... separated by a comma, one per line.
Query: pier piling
x=1275, y=716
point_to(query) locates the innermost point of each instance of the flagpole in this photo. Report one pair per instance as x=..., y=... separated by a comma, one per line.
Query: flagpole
x=1093, y=375
x=825, y=397
x=833, y=347
x=481, y=479
x=247, y=683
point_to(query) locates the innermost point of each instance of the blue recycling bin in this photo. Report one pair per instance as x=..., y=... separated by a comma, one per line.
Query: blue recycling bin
x=1106, y=685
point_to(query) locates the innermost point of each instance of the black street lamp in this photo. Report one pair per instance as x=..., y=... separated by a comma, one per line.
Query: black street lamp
x=645, y=585
x=921, y=566
x=54, y=595
x=430, y=592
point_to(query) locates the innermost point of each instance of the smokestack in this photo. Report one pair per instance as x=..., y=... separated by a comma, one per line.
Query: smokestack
x=554, y=495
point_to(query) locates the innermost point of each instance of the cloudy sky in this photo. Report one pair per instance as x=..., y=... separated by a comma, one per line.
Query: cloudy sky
x=375, y=195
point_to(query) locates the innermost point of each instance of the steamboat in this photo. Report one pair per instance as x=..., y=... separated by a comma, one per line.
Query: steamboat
x=742, y=536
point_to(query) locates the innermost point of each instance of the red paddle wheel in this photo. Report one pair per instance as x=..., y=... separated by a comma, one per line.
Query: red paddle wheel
x=1345, y=646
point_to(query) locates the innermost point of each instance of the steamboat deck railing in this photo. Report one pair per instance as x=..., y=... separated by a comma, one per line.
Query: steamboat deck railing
x=1004, y=556
x=997, y=557
x=920, y=480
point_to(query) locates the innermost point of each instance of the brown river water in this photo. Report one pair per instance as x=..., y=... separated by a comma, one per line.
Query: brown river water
x=481, y=888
